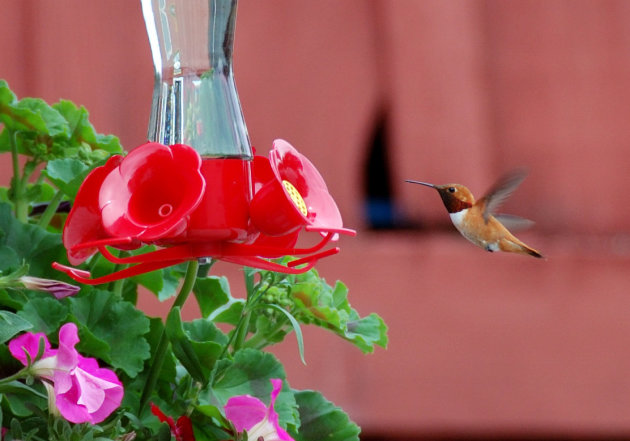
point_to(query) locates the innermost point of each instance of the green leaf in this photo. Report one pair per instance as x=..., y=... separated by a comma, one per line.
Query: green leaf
x=163, y=283
x=197, y=345
x=367, y=331
x=249, y=373
x=9, y=259
x=54, y=123
x=296, y=328
x=216, y=302
x=318, y=303
x=31, y=244
x=67, y=174
x=12, y=324
x=211, y=293
x=322, y=420
x=19, y=396
x=33, y=115
x=46, y=314
x=119, y=324
x=6, y=94
x=82, y=131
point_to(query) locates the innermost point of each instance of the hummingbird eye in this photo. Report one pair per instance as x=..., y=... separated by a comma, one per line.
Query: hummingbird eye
x=451, y=189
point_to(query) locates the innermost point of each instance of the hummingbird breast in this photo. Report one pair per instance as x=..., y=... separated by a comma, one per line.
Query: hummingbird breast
x=471, y=224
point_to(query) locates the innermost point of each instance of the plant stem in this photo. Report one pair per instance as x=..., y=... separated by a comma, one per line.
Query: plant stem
x=242, y=328
x=21, y=208
x=19, y=374
x=160, y=352
x=50, y=210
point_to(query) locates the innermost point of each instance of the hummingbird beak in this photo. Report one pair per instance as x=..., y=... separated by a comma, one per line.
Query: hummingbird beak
x=421, y=183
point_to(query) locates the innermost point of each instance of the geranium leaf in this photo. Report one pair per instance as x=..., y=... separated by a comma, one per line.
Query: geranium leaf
x=12, y=324
x=366, y=332
x=67, y=174
x=197, y=345
x=320, y=419
x=31, y=244
x=119, y=324
x=82, y=131
x=182, y=347
x=215, y=300
x=20, y=398
x=249, y=373
x=318, y=303
x=211, y=293
x=46, y=314
x=9, y=259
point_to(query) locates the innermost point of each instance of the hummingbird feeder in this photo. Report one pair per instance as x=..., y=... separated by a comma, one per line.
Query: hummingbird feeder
x=196, y=190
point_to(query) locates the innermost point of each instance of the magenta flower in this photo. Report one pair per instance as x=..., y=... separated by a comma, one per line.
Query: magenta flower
x=249, y=414
x=83, y=391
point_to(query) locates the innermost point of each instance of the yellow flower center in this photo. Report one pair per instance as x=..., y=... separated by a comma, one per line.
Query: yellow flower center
x=296, y=197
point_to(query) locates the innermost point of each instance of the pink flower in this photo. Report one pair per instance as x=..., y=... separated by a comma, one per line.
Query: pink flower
x=83, y=391
x=249, y=414
x=54, y=287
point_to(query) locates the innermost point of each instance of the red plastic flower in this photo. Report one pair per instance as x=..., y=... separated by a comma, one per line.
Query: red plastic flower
x=291, y=194
x=168, y=197
x=139, y=198
x=84, y=221
x=150, y=193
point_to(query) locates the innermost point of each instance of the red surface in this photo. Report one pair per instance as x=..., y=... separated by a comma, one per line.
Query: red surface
x=479, y=342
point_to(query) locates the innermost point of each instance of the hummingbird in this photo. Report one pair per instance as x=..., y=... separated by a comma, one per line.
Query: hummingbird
x=476, y=220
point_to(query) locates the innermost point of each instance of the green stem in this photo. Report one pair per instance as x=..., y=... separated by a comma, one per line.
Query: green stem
x=242, y=329
x=160, y=352
x=50, y=210
x=253, y=296
x=19, y=374
x=117, y=286
x=21, y=207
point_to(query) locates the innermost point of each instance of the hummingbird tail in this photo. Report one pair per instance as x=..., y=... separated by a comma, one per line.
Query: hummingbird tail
x=516, y=246
x=533, y=252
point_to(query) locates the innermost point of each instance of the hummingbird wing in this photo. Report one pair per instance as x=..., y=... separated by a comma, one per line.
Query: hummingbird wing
x=500, y=191
x=514, y=223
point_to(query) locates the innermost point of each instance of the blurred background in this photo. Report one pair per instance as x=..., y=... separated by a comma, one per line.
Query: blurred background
x=482, y=345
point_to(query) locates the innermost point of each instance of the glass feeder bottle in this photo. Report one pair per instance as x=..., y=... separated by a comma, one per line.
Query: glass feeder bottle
x=195, y=103
x=194, y=98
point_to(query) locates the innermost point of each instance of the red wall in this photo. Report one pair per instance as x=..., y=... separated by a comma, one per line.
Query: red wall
x=480, y=342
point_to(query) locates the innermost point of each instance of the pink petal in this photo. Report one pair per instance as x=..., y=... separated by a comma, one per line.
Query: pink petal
x=276, y=385
x=67, y=356
x=29, y=343
x=94, y=393
x=245, y=411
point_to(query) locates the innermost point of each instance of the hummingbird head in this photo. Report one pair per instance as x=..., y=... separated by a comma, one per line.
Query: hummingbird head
x=456, y=197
